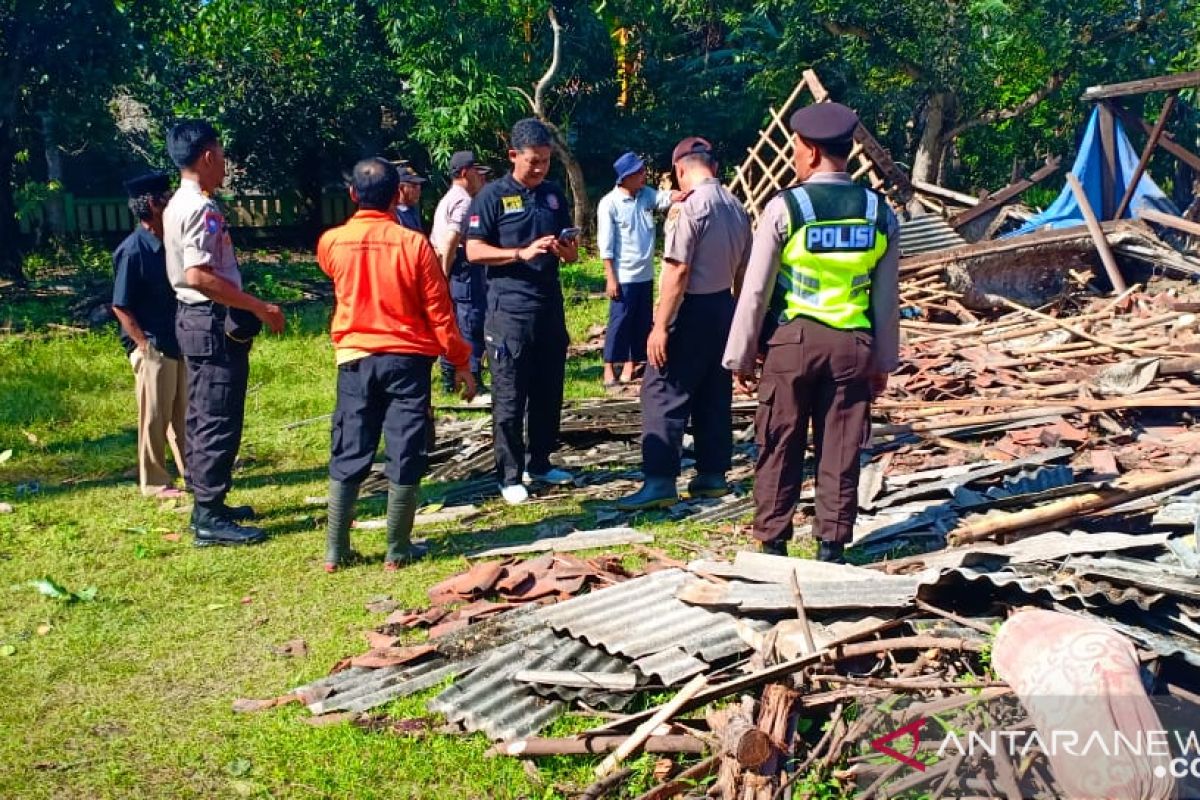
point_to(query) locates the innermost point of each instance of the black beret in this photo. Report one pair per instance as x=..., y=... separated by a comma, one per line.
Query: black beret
x=824, y=123
x=150, y=183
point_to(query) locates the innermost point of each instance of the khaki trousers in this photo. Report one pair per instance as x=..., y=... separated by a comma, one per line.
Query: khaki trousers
x=161, y=385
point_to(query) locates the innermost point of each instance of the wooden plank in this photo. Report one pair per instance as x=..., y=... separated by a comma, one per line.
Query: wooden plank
x=1108, y=162
x=945, y=194
x=608, y=681
x=1093, y=225
x=1160, y=126
x=1004, y=195
x=1171, y=221
x=1166, y=142
x=1162, y=83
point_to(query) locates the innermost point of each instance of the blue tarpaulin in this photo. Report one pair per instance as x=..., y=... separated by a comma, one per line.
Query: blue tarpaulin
x=1089, y=167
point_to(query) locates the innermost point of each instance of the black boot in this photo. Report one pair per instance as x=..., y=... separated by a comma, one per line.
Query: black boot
x=775, y=547
x=401, y=509
x=342, y=497
x=831, y=552
x=238, y=513
x=212, y=527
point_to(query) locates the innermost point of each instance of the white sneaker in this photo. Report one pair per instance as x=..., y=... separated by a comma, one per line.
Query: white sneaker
x=556, y=477
x=514, y=495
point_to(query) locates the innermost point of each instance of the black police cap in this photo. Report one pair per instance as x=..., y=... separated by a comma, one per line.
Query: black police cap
x=150, y=183
x=824, y=123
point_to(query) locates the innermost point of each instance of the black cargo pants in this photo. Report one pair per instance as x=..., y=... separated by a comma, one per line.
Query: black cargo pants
x=218, y=371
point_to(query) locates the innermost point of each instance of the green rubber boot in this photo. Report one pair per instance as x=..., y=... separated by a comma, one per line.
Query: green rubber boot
x=401, y=508
x=342, y=497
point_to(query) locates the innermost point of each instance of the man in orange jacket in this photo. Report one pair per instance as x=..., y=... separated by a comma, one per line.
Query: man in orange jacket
x=393, y=318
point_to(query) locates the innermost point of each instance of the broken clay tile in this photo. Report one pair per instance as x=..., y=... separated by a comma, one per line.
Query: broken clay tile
x=1104, y=462
x=376, y=639
x=477, y=580
x=482, y=608
x=403, y=618
x=434, y=615
x=391, y=656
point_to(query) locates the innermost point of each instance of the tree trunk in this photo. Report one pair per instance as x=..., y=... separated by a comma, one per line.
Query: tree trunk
x=938, y=117
x=56, y=216
x=582, y=213
x=10, y=231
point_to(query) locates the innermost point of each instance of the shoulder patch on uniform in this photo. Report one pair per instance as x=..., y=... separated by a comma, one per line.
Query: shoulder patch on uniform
x=674, y=213
x=213, y=221
x=512, y=203
x=552, y=201
x=474, y=220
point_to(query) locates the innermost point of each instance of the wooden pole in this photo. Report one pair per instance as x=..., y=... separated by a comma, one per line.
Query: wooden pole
x=1093, y=226
x=1119, y=491
x=646, y=728
x=1151, y=145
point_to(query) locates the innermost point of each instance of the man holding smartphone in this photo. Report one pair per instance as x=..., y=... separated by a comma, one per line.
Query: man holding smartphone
x=519, y=228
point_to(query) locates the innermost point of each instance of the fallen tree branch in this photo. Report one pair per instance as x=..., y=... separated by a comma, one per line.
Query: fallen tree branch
x=606, y=785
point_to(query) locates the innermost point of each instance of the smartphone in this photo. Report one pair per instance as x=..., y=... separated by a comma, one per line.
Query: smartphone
x=567, y=234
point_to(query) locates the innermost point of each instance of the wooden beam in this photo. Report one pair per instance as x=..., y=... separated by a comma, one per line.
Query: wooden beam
x=1108, y=162
x=1004, y=195
x=1166, y=142
x=1093, y=225
x=1170, y=221
x=1162, y=83
x=1160, y=126
x=945, y=194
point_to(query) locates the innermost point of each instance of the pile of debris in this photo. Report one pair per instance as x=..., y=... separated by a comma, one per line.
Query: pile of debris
x=795, y=644
x=1035, y=456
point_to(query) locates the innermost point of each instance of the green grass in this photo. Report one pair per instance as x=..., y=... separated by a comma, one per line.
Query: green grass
x=128, y=695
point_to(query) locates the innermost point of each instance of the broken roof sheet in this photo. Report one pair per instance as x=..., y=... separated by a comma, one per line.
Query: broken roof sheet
x=489, y=700
x=642, y=617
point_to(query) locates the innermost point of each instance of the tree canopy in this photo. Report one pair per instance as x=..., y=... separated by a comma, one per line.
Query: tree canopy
x=957, y=90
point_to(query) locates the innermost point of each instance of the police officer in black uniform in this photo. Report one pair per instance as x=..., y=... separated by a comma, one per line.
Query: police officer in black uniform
x=520, y=229
x=214, y=324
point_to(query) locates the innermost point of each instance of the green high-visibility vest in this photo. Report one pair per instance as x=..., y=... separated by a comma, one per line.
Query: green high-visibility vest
x=837, y=233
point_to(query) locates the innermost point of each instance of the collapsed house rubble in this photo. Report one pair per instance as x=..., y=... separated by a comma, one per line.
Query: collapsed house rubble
x=1034, y=469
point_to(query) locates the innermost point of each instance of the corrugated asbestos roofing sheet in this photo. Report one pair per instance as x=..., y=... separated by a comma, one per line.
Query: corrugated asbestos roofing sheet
x=490, y=701
x=927, y=233
x=642, y=617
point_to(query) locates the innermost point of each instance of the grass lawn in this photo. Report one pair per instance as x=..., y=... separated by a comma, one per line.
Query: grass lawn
x=128, y=694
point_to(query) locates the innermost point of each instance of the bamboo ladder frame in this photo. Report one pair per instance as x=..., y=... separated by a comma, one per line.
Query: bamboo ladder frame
x=768, y=169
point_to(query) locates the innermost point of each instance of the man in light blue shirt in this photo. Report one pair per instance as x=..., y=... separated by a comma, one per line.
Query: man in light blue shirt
x=625, y=236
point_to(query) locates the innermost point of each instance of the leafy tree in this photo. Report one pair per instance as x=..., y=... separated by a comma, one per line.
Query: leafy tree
x=299, y=88
x=59, y=60
x=982, y=81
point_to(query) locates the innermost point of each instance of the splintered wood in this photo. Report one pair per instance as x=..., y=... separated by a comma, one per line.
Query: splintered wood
x=1105, y=356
